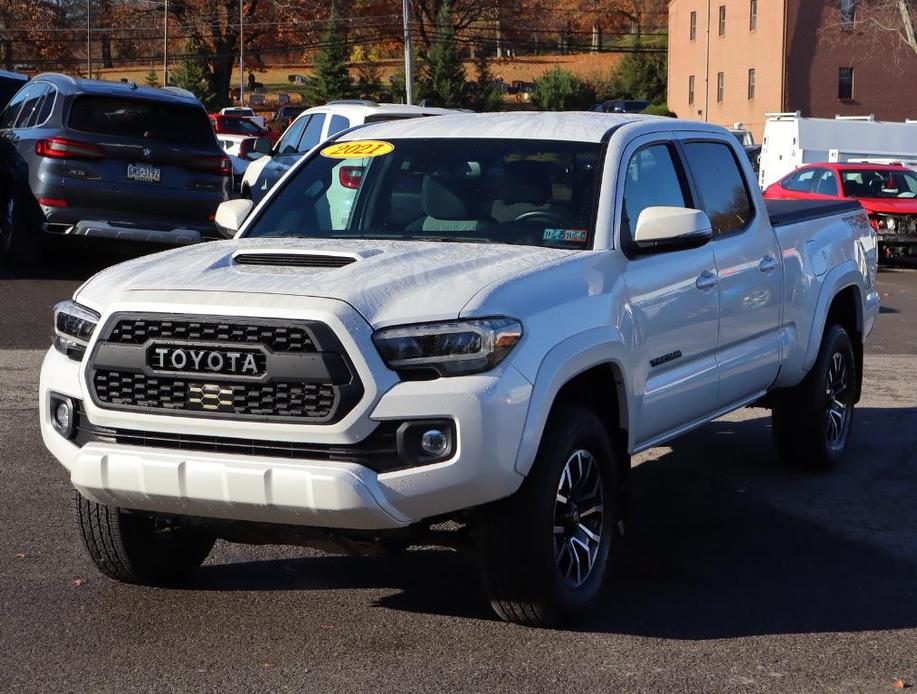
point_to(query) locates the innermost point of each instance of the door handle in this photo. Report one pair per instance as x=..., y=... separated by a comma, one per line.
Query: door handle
x=768, y=264
x=707, y=280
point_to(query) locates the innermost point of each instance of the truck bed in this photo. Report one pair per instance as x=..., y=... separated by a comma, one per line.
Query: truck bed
x=783, y=212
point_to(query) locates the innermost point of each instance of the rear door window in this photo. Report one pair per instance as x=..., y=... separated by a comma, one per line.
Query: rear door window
x=720, y=185
x=140, y=119
x=313, y=133
x=37, y=108
x=826, y=183
x=338, y=123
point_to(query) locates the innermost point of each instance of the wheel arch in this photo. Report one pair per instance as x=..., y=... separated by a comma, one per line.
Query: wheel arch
x=840, y=301
x=584, y=370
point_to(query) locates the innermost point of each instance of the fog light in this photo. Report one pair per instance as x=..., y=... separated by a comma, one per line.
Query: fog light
x=62, y=415
x=434, y=442
x=422, y=442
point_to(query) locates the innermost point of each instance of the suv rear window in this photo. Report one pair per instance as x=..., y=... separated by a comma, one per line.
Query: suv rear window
x=136, y=118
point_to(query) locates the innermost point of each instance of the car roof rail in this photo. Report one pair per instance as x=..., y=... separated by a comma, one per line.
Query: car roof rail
x=354, y=102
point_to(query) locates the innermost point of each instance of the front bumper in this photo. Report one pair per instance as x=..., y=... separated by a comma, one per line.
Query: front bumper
x=489, y=412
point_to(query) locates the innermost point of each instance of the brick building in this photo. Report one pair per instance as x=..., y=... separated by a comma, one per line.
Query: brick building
x=735, y=60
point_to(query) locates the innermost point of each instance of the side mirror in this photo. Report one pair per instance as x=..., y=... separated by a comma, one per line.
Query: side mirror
x=263, y=145
x=671, y=228
x=231, y=214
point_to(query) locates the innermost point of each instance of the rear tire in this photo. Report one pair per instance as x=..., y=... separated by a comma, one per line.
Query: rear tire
x=544, y=552
x=812, y=422
x=135, y=548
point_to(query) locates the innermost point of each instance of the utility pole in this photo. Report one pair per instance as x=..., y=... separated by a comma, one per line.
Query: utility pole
x=241, y=54
x=408, y=54
x=89, y=39
x=165, y=47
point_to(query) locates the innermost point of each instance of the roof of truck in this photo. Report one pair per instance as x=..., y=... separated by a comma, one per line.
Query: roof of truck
x=572, y=126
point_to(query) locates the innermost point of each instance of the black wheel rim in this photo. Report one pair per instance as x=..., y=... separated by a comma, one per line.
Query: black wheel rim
x=838, y=406
x=578, y=518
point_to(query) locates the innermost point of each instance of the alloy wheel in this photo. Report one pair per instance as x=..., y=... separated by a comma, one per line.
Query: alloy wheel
x=578, y=518
x=838, y=403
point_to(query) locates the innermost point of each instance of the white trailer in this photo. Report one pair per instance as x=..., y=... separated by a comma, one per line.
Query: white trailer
x=791, y=141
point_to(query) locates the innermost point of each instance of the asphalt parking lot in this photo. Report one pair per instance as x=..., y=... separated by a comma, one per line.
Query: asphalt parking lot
x=736, y=574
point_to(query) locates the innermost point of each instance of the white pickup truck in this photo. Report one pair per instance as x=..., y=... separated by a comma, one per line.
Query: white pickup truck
x=472, y=318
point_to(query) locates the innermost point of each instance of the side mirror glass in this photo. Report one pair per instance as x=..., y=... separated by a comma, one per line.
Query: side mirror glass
x=231, y=214
x=670, y=228
x=263, y=145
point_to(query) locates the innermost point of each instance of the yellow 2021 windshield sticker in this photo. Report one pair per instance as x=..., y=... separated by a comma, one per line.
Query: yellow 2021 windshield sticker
x=357, y=149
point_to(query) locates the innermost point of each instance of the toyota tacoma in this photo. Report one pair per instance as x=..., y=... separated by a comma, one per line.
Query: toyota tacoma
x=455, y=330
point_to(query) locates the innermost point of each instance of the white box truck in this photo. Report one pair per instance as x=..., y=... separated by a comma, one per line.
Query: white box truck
x=791, y=140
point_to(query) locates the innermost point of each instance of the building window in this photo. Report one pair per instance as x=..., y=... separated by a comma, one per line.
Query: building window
x=848, y=12
x=691, y=90
x=751, y=84
x=752, y=15
x=722, y=20
x=693, y=26
x=720, y=86
x=845, y=83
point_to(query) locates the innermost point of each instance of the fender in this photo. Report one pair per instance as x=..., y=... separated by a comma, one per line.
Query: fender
x=847, y=274
x=602, y=345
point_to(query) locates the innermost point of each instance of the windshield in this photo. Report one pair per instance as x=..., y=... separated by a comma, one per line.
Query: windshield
x=530, y=192
x=879, y=183
x=162, y=121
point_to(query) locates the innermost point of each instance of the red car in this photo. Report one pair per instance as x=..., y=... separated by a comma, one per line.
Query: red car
x=888, y=193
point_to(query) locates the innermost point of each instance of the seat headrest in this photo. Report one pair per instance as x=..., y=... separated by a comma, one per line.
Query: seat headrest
x=447, y=197
x=527, y=181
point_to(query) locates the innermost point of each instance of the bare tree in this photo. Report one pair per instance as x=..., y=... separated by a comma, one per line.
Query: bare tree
x=877, y=20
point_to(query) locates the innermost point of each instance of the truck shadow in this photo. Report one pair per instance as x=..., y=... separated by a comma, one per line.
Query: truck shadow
x=722, y=542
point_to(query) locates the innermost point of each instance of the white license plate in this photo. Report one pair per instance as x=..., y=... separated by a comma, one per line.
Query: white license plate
x=147, y=173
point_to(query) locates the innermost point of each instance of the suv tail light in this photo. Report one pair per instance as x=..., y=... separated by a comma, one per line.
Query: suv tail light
x=350, y=176
x=220, y=166
x=64, y=148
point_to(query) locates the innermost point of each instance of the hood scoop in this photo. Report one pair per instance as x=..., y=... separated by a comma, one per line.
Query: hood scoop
x=289, y=258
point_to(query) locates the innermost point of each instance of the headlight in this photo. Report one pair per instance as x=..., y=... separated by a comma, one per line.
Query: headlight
x=453, y=348
x=73, y=326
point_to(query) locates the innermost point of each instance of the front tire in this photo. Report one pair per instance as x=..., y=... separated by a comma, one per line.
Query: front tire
x=812, y=422
x=544, y=552
x=135, y=548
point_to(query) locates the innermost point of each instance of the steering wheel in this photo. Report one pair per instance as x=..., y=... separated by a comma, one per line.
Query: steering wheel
x=541, y=215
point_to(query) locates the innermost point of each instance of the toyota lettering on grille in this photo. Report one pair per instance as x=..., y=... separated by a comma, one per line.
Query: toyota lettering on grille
x=230, y=362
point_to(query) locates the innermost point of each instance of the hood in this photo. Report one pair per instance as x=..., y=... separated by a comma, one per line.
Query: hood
x=388, y=282
x=889, y=205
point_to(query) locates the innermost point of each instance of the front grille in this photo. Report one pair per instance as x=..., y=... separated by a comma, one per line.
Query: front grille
x=312, y=401
x=298, y=372
x=379, y=451
x=279, y=338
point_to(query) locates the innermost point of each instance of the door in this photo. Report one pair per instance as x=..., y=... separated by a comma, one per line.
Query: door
x=749, y=271
x=674, y=301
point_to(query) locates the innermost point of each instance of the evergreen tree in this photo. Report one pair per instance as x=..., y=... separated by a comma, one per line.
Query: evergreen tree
x=152, y=78
x=561, y=90
x=191, y=75
x=369, y=81
x=483, y=95
x=332, y=79
x=640, y=75
x=443, y=75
